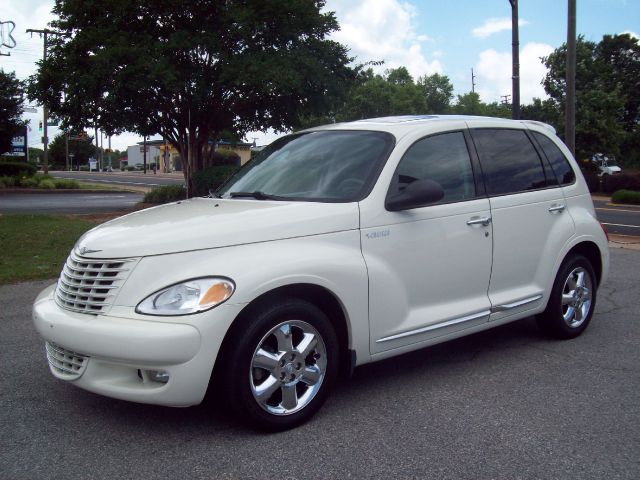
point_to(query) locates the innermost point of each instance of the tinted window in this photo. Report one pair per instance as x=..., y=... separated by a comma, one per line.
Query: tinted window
x=331, y=166
x=509, y=161
x=442, y=158
x=558, y=161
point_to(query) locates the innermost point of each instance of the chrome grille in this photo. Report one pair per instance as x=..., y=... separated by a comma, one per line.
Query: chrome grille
x=89, y=285
x=65, y=363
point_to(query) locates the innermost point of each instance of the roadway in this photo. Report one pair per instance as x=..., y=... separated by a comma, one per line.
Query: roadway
x=124, y=179
x=618, y=219
x=505, y=404
x=68, y=202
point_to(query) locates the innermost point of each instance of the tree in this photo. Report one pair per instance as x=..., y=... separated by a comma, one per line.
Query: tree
x=11, y=100
x=602, y=93
x=188, y=70
x=546, y=111
x=438, y=92
x=469, y=104
x=81, y=150
x=620, y=54
x=36, y=154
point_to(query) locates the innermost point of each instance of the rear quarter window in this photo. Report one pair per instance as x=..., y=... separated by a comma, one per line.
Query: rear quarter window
x=559, y=163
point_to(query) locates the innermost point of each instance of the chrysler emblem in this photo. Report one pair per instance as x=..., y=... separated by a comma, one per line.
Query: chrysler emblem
x=85, y=250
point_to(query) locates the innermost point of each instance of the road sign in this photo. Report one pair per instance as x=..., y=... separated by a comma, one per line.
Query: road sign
x=30, y=110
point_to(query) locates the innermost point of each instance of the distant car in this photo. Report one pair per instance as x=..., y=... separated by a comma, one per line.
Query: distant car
x=606, y=164
x=139, y=166
x=334, y=247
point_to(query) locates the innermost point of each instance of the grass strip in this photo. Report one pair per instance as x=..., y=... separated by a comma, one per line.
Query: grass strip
x=34, y=247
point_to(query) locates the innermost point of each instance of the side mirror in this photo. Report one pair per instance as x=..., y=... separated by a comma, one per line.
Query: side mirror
x=417, y=194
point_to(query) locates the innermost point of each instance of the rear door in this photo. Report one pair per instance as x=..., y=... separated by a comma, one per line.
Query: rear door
x=530, y=221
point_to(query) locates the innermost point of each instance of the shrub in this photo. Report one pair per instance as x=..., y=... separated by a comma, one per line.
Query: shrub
x=67, y=184
x=47, y=184
x=626, y=196
x=28, y=182
x=83, y=168
x=165, y=194
x=224, y=156
x=7, y=182
x=38, y=177
x=130, y=168
x=211, y=178
x=621, y=181
x=593, y=181
x=17, y=169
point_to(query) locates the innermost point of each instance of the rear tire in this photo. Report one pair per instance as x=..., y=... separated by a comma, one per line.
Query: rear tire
x=282, y=365
x=572, y=300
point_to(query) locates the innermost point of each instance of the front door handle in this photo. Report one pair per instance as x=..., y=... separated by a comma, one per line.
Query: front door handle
x=557, y=207
x=484, y=221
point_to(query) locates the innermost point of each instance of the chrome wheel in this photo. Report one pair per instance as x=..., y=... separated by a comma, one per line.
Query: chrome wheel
x=576, y=297
x=288, y=367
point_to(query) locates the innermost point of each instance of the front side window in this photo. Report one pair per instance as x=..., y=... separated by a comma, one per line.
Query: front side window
x=558, y=161
x=509, y=161
x=442, y=158
x=325, y=166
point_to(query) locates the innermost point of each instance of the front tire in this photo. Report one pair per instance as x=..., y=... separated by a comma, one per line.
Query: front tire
x=283, y=364
x=572, y=301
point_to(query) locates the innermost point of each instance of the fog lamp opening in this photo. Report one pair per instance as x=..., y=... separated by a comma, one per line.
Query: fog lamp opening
x=159, y=376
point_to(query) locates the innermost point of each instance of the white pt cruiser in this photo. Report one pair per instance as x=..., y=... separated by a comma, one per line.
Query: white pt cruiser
x=335, y=247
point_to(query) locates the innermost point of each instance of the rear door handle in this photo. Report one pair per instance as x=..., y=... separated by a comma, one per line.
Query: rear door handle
x=557, y=207
x=484, y=221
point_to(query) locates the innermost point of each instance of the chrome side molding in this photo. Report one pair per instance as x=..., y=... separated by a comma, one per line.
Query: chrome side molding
x=448, y=323
x=519, y=303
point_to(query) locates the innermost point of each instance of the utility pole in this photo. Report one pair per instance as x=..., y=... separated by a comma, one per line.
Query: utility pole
x=45, y=111
x=95, y=132
x=515, y=54
x=144, y=154
x=570, y=107
x=473, y=82
x=66, y=150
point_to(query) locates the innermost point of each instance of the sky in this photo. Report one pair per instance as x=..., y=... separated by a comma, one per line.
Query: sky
x=426, y=36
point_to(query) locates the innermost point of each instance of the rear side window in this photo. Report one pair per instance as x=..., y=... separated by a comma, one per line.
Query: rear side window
x=558, y=161
x=509, y=161
x=442, y=158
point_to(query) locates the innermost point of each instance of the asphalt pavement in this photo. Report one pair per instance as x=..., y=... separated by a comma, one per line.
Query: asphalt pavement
x=502, y=404
x=77, y=202
x=618, y=219
x=125, y=179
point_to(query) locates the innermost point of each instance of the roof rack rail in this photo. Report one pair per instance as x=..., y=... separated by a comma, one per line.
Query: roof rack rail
x=541, y=124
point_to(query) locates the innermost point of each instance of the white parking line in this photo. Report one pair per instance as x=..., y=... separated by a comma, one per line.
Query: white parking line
x=621, y=225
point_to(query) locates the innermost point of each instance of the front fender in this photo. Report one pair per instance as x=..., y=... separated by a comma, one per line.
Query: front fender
x=333, y=261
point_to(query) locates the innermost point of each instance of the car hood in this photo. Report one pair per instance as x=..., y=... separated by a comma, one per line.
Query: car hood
x=203, y=223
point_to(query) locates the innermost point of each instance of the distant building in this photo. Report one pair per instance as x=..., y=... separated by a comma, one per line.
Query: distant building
x=167, y=158
x=135, y=153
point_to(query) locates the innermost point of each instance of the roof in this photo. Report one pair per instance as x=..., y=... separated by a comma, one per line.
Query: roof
x=403, y=124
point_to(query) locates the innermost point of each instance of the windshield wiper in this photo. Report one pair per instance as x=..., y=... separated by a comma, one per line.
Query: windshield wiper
x=258, y=195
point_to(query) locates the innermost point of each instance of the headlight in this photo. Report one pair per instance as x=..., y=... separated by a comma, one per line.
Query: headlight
x=191, y=296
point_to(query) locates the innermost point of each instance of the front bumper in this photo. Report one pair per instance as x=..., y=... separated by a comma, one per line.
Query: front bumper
x=120, y=350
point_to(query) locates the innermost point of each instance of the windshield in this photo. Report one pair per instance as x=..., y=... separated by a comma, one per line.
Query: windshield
x=325, y=166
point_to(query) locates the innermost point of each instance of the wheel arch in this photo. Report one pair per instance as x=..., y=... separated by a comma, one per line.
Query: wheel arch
x=591, y=251
x=319, y=296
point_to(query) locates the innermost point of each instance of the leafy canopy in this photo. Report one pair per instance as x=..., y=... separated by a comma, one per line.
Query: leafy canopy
x=11, y=100
x=189, y=70
x=607, y=94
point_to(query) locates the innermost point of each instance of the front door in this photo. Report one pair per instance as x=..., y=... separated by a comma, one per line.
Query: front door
x=429, y=267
